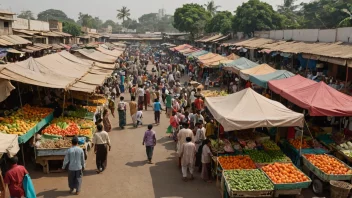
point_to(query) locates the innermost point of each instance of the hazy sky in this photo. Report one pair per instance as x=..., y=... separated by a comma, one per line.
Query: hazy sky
x=106, y=9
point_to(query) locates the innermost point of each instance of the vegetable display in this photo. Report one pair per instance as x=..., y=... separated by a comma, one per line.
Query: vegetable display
x=328, y=164
x=91, y=109
x=236, y=162
x=21, y=121
x=217, y=146
x=266, y=156
x=297, y=143
x=281, y=173
x=68, y=126
x=50, y=144
x=270, y=145
x=208, y=93
x=247, y=180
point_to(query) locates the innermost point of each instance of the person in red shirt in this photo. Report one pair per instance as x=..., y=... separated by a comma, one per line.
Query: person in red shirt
x=14, y=178
x=248, y=84
x=199, y=103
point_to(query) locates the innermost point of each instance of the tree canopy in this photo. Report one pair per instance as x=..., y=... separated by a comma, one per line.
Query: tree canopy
x=89, y=21
x=191, y=18
x=71, y=28
x=221, y=22
x=26, y=14
x=53, y=14
x=256, y=16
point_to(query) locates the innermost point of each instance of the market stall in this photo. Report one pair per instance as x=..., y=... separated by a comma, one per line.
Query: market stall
x=241, y=112
x=262, y=80
x=239, y=64
x=257, y=70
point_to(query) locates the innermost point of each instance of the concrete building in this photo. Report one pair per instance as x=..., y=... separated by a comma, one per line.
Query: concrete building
x=6, y=20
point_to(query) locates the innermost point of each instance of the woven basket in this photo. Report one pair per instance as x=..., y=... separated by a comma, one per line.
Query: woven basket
x=339, y=189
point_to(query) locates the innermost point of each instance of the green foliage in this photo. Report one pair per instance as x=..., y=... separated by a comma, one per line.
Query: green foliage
x=290, y=10
x=211, y=7
x=151, y=22
x=326, y=14
x=87, y=20
x=53, y=14
x=71, y=28
x=221, y=22
x=26, y=14
x=191, y=18
x=130, y=24
x=256, y=16
x=123, y=13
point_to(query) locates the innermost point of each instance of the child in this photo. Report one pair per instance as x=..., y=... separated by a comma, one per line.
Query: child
x=139, y=116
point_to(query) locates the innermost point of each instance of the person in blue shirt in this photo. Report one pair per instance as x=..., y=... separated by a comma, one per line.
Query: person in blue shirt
x=157, y=109
x=74, y=158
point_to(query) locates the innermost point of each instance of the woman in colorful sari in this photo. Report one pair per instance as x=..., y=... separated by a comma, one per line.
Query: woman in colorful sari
x=148, y=97
x=106, y=121
x=122, y=112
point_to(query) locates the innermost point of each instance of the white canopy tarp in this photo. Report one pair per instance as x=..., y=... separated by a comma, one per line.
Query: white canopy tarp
x=247, y=109
x=5, y=89
x=9, y=144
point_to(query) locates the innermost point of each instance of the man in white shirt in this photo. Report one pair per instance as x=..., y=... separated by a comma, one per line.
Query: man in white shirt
x=139, y=116
x=200, y=135
x=181, y=138
x=140, y=94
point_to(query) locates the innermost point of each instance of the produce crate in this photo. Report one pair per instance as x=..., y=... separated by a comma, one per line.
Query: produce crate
x=254, y=193
x=289, y=186
x=323, y=176
x=220, y=166
x=51, y=152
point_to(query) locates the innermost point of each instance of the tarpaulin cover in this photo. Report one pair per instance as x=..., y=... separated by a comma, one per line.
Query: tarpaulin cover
x=180, y=47
x=248, y=109
x=60, y=70
x=206, y=56
x=114, y=53
x=5, y=89
x=262, y=80
x=97, y=56
x=232, y=57
x=321, y=100
x=9, y=144
x=289, y=84
x=237, y=65
x=215, y=59
x=258, y=70
x=198, y=53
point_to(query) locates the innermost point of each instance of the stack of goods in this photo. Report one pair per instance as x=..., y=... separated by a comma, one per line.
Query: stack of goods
x=282, y=173
x=94, y=99
x=248, y=144
x=68, y=126
x=270, y=145
x=91, y=109
x=21, y=121
x=51, y=144
x=297, y=143
x=228, y=146
x=208, y=93
x=328, y=164
x=80, y=113
x=266, y=156
x=236, y=162
x=247, y=180
x=217, y=146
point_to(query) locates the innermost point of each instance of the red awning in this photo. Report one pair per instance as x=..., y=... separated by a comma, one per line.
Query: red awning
x=289, y=84
x=321, y=100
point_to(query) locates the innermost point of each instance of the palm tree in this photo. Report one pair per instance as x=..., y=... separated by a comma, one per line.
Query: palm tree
x=123, y=13
x=211, y=7
x=288, y=6
x=346, y=21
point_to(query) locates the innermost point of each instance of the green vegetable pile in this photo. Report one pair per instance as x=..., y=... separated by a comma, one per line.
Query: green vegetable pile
x=62, y=125
x=247, y=180
x=266, y=156
x=270, y=145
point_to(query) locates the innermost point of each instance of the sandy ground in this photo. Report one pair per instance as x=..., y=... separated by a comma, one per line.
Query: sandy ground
x=128, y=175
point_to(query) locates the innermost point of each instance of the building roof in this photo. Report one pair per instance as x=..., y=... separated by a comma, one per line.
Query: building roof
x=9, y=40
x=6, y=18
x=6, y=12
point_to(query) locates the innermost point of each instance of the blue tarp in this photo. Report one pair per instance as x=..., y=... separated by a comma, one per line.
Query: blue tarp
x=240, y=64
x=262, y=80
x=312, y=64
x=198, y=53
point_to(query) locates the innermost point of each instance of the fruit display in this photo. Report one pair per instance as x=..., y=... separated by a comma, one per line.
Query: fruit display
x=266, y=156
x=328, y=164
x=85, y=132
x=21, y=121
x=217, y=146
x=50, y=144
x=281, y=173
x=247, y=180
x=79, y=113
x=270, y=145
x=297, y=143
x=69, y=126
x=236, y=162
x=248, y=144
x=208, y=93
x=91, y=109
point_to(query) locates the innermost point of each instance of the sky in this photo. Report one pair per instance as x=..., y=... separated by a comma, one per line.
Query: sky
x=106, y=9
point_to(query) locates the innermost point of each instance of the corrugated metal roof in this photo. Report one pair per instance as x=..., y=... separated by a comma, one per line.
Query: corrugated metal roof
x=211, y=38
x=221, y=38
x=9, y=40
